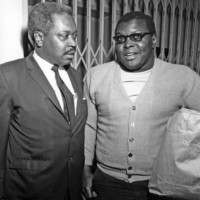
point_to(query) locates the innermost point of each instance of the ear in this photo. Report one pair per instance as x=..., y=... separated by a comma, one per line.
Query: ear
x=154, y=40
x=38, y=36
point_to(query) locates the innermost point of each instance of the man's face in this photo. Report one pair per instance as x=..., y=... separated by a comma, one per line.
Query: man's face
x=59, y=45
x=135, y=56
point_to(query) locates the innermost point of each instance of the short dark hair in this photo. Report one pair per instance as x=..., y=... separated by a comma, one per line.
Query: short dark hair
x=41, y=16
x=139, y=15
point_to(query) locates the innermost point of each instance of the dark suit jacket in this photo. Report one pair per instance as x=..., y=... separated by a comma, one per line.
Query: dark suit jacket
x=41, y=155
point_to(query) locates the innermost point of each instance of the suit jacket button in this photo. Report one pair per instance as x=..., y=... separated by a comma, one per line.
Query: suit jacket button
x=71, y=157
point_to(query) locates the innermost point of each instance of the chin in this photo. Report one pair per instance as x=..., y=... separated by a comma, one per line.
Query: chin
x=66, y=62
x=132, y=68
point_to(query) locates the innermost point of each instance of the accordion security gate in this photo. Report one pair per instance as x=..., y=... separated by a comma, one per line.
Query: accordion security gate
x=177, y=24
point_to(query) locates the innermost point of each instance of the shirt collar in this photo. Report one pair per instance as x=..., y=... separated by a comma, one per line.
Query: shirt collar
x=41, y=62
x=44, y=64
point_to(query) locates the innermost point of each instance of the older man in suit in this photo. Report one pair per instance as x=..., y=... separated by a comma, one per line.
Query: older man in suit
x=43, y=113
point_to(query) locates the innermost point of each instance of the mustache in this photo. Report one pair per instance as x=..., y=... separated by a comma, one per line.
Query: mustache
x=71, y=51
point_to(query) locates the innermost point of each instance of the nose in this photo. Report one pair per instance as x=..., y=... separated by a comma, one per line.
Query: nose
x=129, y=43
x=71, y=41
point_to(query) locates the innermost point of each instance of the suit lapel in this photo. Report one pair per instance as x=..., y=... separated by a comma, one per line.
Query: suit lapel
x=39, y=77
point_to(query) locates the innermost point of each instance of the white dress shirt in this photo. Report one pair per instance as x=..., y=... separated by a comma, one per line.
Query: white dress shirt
x=50, y=75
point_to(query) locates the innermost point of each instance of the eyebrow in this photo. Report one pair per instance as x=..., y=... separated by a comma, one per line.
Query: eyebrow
x=68, y=31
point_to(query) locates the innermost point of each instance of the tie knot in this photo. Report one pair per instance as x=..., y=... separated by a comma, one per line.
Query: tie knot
x=55, y=68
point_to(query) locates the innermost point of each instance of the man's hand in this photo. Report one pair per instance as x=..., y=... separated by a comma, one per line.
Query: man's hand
x=87, y=182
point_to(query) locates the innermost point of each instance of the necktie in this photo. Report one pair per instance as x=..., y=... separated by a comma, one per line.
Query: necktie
x=66, y=95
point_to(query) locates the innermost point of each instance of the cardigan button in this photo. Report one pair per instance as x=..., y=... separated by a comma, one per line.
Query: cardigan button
x=129, y=176
x=130, y=168
x=133, y=107
x=130, y=155
x=131, y=139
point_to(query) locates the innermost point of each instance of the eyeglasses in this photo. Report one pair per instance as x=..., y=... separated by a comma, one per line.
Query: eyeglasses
x=135, y=37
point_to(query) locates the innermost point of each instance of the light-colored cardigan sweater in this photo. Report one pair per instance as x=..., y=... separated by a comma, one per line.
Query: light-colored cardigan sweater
x=126, y=136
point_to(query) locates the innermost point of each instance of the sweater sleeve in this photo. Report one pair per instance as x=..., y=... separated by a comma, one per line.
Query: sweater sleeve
x=91, y=123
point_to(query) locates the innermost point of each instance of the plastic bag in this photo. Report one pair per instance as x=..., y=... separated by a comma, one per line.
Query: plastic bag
x=176, y=171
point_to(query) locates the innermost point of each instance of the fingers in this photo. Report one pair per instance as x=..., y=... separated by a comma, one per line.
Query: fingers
x=94, y=194
x=88, y=190
x=89, y=193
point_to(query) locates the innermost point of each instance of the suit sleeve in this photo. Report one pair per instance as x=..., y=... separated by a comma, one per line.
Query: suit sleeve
x=91, y=123
x=5, y=114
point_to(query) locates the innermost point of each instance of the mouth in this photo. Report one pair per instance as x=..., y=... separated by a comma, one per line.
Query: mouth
x=70, y=52
x=130, y=55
